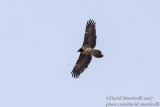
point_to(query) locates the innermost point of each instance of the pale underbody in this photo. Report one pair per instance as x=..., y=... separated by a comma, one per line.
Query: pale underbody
x=86, y=49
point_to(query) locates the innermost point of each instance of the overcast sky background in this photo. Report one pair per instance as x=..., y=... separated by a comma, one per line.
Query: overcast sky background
x=39, y=40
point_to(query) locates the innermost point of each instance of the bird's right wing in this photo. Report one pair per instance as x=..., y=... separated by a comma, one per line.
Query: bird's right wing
x=81, y=65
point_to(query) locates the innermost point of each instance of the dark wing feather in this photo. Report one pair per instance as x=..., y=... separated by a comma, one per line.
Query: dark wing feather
x=90, y=34
x=81, y=65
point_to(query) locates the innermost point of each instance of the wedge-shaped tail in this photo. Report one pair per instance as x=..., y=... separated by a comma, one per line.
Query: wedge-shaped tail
x=97, y=53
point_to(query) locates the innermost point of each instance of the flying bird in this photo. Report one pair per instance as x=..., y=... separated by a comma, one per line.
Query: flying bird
x=87, y=49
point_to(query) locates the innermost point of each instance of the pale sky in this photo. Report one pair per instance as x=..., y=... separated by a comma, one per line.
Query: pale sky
x=39, y=40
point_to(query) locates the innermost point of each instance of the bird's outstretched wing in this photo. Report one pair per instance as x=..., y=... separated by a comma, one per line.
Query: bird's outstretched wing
x=81, y=65
x=90, y=34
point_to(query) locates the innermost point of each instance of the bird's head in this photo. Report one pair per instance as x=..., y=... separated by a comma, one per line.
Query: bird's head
x=80, y=50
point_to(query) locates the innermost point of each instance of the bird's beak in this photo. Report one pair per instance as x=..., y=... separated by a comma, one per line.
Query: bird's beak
x=80, y=50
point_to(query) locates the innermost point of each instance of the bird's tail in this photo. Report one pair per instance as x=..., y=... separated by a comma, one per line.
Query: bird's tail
x=97, y=53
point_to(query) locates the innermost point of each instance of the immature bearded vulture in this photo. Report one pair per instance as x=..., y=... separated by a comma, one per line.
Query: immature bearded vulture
x=87, y=50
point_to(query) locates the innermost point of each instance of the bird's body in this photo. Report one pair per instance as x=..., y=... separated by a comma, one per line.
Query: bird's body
x=87, y=50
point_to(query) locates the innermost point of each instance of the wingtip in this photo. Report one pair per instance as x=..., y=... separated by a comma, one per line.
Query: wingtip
x=91, y=22
x=74, y=75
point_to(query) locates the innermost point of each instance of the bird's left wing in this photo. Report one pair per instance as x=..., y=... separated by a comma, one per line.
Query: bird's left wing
x=81, y=65
x=90, y=34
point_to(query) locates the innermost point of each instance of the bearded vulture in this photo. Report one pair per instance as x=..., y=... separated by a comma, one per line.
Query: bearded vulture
x=87, y=50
